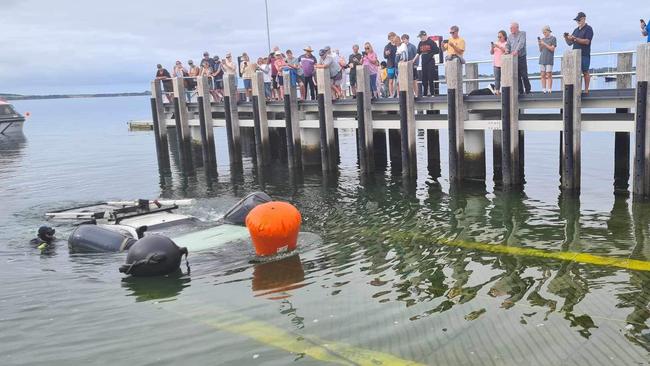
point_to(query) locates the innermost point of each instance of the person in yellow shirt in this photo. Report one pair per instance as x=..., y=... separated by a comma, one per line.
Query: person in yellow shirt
x=383, y=76
x=454, y=46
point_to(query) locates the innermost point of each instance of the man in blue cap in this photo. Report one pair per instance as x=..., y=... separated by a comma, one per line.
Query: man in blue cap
x=580, y=39
x=44, y=239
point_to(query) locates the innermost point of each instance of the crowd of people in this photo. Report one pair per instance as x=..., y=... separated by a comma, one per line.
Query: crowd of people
x=382, y=69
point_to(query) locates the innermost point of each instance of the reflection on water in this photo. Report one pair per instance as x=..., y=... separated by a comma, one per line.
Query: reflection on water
x=156, y=288
x=376, y=273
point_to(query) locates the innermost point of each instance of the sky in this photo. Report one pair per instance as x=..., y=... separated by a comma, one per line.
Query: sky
x=108, y=46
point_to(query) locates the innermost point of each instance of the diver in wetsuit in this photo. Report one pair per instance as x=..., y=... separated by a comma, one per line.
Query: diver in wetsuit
x=45, y=238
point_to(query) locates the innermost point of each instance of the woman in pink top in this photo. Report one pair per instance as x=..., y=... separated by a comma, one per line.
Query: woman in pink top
x=370, y=60
x=497, y=50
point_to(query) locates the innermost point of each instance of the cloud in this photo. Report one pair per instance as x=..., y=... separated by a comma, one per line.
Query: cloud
x=62, y=44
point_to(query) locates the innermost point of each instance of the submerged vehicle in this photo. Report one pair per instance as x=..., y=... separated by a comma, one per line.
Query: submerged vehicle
x=11, y=122
x=115, y=226
x=131, y=218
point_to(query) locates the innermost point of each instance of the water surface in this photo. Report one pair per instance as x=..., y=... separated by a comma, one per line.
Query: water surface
x=372, y=284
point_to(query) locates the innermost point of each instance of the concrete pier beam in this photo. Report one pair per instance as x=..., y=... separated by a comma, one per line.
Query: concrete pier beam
x=622, y=139
x=206, y=124
x=365, y=135
x=407, y=119
x=572, y=111
x=232, y=121
x=292, y=120
x=510, y=154
x=160, y=127
x=474, y=139
x=326, y=121
x=182, y=125
x=641, y=184
x=456, y=119
x=261, y=125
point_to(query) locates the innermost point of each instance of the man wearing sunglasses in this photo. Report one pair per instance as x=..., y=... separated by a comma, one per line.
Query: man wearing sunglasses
x=454, y=46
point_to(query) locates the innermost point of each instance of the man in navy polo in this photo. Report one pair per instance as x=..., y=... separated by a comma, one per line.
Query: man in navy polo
x=581, y=40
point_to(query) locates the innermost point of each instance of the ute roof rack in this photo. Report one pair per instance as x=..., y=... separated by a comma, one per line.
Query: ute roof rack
x=116, y=210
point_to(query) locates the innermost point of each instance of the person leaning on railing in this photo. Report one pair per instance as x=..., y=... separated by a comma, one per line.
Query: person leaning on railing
x=163, y=75
x=517, y=47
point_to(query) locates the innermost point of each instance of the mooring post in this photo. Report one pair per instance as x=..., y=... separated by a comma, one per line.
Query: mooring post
x=572, y=107
x=160, y=126
x=622, y=139
x=641, y=185
x=456, y=118
x=510, y=164
x=326, y=120
x=261, y=125
x=365, y=142
x=232, y=120
x=206, y=123
x=182, y=125
x=474, y=158
x=292, y=120
x=407, y=118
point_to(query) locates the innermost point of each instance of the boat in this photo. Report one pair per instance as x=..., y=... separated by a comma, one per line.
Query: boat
x=11, y=122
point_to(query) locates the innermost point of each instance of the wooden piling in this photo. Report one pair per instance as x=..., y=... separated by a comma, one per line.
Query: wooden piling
x=572, y=107
x=261, y=125
x=365, y=141
x=456, y=123
x=326, y=120
x=160, y=127
x=622, y=139
x=510, y=154
x=182, y=125
x=407, y=118
x=232, y=121
x=206, y=124
x=292, y=120
x=641, y=184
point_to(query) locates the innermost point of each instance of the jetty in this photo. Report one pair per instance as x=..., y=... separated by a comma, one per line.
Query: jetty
x=388, y=128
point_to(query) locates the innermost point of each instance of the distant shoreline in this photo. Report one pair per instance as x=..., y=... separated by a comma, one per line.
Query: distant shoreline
x=65, y=96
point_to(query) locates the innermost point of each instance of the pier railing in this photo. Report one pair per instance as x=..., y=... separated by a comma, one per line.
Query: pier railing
x=311, y=127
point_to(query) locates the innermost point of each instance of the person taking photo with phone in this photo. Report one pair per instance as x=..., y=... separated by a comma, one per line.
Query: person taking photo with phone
x=547, y=47
x=580, y=39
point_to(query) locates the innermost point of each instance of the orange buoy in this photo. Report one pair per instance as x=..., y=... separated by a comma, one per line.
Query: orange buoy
x=274, y=227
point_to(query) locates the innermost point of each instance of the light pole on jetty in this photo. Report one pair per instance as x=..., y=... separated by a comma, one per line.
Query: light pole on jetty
x=268, y=31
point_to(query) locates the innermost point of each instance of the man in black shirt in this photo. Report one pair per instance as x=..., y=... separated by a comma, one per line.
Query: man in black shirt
x=427, y=50
x=163, y=74
x=354, y=60
x=390, y=52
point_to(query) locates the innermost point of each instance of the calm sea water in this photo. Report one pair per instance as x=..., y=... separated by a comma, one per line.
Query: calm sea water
x=371, y=285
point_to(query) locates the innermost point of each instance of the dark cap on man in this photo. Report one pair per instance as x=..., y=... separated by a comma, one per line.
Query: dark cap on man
x=580, y=16
x=422, y=33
